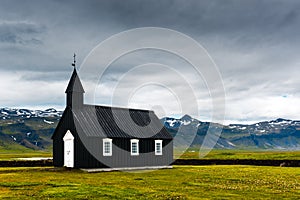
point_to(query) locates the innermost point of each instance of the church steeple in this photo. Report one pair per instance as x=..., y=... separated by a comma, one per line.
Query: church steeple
x=74, y=90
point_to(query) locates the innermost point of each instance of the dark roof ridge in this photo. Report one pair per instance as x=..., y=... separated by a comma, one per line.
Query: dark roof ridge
x=119, y=108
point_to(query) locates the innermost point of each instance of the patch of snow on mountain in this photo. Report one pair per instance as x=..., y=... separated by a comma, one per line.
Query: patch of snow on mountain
x=48, y=122
x=51, y=110
x=4, y=113
x=283, y=122
x=220, y=145
x=230, y=143
x=186, y=122
x=171, y=122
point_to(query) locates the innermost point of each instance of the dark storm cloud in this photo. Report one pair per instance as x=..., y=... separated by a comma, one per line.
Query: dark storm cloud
x=237, y=25
x=255, y=43
x=269, y=27
x=20, y=32
x=201, y=16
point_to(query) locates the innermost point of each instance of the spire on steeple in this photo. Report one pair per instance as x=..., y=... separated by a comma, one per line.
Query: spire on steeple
x=74, y=90
x=75, y=83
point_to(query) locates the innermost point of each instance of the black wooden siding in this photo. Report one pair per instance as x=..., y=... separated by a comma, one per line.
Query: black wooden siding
x=90, y=154
x=65, y=123
x=121, y=153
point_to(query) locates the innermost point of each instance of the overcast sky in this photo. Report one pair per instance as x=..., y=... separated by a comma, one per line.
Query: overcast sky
x=254, y=44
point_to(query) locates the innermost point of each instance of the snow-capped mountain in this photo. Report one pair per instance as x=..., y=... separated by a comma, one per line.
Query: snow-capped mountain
x=275, y=134
x=8, y=113
x=34, y=128
x=25, y=128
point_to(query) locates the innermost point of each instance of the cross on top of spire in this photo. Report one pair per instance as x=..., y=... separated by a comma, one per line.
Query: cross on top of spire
x=74, y=61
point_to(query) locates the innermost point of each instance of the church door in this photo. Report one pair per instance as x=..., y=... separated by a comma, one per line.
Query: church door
x=68, y=149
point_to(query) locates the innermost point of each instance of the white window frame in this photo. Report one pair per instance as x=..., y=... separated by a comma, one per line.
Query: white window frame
x=104, y=140
x=159, y=142
x=134, y=141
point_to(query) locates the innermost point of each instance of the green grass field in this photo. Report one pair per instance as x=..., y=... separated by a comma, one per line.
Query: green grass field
x=193, y=153
x=10, y=150
x=181, y=182
x=189, y=154
x=7, y=154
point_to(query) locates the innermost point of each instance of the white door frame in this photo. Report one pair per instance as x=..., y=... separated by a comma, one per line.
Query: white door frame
x=68, y=149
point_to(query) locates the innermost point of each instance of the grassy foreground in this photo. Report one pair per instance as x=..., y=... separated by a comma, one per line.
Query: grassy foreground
x=181, y=182
x=14, y=155
x=193, y=153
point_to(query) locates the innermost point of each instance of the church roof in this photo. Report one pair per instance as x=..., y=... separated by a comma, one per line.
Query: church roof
x=112, y=122
x=74, y=83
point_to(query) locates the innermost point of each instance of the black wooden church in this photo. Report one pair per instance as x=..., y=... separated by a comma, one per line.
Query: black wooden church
x=92, y=136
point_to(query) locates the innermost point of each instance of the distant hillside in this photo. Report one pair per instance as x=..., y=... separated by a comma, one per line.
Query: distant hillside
x=23, y=129
x=276, y=134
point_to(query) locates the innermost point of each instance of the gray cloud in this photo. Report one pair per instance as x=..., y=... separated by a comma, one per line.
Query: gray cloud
x=255, y=44
x=20, y=32
x=45, y=76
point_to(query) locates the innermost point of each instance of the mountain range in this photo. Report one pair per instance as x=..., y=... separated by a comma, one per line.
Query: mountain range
x=280, y=134
x=22, y=129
